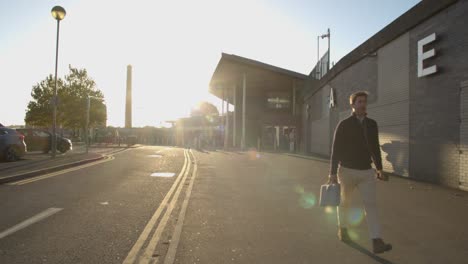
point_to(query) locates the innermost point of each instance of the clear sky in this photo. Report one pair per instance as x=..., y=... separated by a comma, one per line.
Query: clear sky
x=173, y=46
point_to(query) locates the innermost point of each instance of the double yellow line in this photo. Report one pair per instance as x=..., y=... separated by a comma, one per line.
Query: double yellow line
x=53, y=174
x=138, y=254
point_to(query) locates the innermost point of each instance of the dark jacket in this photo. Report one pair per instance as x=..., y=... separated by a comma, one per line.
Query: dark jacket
x=350, y=148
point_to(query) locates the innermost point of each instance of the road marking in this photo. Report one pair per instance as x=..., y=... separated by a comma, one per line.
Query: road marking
x=171, y=252
x=53, y=174
x=30, y=221
x=162, y=174
x=133, y=254
x=147, y=256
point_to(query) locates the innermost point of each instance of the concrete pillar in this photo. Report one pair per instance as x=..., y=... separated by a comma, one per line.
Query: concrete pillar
x=244, y=87
x=234, y=121
x=222, y=115
x=294, y=98
x=226, y=131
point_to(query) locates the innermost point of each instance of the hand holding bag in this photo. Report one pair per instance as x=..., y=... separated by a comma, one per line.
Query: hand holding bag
x=330, y=195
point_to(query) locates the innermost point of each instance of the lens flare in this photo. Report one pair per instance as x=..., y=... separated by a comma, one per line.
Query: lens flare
x=307, y=200
x=329, y=210
x=299, y=189
x=253, y=154
x=353, y=235
x=355, y=216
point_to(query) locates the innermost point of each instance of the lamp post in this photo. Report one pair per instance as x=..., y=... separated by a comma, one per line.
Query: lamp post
x=327, y=36
x=58, y=13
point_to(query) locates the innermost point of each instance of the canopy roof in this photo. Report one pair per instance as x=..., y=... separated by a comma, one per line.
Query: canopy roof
x=231, y=68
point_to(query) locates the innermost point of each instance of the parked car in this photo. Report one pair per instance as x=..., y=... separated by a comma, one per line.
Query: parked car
x=12, y=145
x=41, y=140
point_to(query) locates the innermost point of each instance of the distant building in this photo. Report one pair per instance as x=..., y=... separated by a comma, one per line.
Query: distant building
x=199, y=132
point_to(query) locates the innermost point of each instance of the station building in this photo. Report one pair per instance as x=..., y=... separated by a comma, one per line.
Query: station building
x=416, y=71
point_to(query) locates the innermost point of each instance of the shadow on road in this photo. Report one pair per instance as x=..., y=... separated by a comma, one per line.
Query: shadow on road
x=368, y=253
x=202, y=151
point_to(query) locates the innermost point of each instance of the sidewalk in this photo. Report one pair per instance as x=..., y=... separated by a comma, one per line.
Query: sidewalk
x=263, y=209
x=36, y=163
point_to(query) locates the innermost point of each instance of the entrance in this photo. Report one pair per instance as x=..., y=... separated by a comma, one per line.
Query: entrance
x=278, y=138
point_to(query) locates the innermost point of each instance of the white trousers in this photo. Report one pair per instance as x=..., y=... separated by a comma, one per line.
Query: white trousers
x=365, y=181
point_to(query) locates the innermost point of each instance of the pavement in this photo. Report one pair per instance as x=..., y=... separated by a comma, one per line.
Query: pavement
x=219, y=207
x=36, y=162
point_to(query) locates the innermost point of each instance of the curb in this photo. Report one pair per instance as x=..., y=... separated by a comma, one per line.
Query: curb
x=30, y=174
x=307, y=157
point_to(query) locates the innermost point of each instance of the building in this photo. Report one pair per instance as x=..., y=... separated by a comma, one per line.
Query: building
x=264, y=98
x=416, y=71
x=200, y=132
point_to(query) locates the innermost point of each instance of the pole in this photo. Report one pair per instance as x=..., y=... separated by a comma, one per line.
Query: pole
x=88, y=106
x=328, y=33
x=244, y=84
x=223, y=127
x=226, y=133
x=294, y=98
x=317, y=68
x=234, y=121
x=54, y=118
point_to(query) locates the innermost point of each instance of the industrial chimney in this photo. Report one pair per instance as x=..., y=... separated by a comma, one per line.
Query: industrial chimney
x=128, y=102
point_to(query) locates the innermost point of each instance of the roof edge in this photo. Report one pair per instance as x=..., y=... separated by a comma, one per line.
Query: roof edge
x=408, y=20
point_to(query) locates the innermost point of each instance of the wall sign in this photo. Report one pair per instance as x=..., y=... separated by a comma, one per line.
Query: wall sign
x=331, y=99
x=425, y=55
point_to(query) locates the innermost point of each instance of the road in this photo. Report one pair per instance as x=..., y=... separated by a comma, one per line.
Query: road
x=218, y=207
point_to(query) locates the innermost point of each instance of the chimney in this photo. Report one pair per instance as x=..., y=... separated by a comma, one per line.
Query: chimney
x=128, y=101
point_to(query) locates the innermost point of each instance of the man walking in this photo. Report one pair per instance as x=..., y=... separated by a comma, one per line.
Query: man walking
x=355, y=147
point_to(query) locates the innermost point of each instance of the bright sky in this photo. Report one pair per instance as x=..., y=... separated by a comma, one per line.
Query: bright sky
x=173, y=46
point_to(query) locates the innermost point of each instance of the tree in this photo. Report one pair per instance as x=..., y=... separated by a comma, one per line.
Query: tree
x=39, y=110
x=71, y=109
x=78, y=86
x=204, y=109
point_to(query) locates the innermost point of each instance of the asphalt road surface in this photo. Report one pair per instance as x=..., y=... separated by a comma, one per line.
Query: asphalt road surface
x=216, y=207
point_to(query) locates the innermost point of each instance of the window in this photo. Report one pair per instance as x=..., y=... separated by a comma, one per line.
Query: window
x=278, y=100
x=3, y=132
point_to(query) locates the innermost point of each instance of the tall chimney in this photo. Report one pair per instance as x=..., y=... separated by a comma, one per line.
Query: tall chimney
x=128, y=102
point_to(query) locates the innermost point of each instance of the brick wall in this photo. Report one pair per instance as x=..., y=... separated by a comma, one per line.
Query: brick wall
x=391, y=109
x=463, y=166
x=435, y=99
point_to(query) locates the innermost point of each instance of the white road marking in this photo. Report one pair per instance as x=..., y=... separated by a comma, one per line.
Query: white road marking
x=30, y=221
x=134, y=252
x=52, y=174
x=163, y=174
x=147, y=256
x=171, y=252
x=155, y=156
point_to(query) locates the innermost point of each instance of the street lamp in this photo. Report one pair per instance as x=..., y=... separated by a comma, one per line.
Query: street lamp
x=58, y=13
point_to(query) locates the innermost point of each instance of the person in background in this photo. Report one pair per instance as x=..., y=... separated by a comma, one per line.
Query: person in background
x=355, y=146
